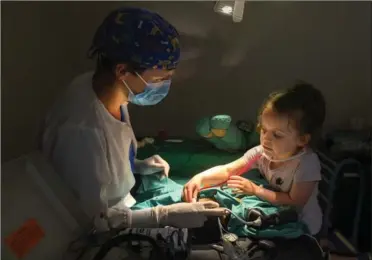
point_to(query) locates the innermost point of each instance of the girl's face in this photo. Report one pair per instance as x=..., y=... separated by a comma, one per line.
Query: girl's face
x=279, y=138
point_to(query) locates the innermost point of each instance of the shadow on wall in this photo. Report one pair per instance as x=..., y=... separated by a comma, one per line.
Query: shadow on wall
x=275, y=45
x=228, y=68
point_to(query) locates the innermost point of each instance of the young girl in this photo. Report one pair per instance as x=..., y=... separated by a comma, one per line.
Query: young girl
x=289, y=123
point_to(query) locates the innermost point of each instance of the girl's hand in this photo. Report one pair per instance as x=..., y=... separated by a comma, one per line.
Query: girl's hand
x=192, y=189
x=241, y=185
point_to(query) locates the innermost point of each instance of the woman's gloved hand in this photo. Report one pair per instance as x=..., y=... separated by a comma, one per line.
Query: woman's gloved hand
x=180, y=215
x=152, y=165
x=187, y=215
x=192, y=189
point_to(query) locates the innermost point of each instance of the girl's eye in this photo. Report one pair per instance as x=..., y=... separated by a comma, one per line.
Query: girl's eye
x=277, y=136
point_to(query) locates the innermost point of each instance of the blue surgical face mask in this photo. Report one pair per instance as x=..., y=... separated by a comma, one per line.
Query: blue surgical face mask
x=152, y=94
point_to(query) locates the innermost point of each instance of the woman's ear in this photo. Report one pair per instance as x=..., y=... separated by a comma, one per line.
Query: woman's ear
x=121, y=72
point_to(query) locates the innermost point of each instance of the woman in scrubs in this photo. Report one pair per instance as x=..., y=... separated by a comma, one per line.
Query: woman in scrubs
x=88, y=135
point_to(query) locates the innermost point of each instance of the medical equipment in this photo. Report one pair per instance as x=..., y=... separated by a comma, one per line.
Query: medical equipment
x=40, y=215
x=231, y=8
x=151, y=95
x=287, y=157
x=235, y=247
x=238, y=252
x=283, y=216
x=257, y=218
x=230, y=251
x=174, y=140
x=145, y=243
x=331, y=173
x=257, y=222
x=182, y=155
x=278, y=248
x=231, y=237
x=144, y=141
x=61, y=218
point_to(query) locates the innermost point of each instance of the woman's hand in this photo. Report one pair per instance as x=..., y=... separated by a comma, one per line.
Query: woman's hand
x=188, y=215
x=191, y=189
x=241, y=185
x=154, y=164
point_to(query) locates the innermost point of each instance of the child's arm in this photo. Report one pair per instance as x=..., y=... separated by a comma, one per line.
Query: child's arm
x=304, y=183
x=218, y=174
x=221, y=173
x=298, y=195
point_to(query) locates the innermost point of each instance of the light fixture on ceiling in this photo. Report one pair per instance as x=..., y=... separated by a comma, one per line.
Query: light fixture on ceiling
x=231, y=8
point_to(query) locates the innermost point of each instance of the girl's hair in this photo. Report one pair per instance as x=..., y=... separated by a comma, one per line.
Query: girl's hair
x=303, y=104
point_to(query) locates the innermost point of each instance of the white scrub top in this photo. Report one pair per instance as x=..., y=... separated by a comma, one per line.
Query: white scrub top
x=304, y=169
x=90, y=149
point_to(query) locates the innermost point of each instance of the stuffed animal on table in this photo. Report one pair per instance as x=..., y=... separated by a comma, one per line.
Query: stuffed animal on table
x=225, y=135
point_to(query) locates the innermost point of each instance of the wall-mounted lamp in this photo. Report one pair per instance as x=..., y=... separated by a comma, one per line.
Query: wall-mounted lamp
x=231, y=8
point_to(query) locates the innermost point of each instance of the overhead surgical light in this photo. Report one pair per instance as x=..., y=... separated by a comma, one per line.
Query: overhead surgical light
x=227, y=9
x=231, y=8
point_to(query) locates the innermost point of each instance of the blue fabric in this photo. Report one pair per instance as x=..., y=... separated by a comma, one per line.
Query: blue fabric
x=155, y=191
x=234, y=139
x=139, y=36
x=132, y=152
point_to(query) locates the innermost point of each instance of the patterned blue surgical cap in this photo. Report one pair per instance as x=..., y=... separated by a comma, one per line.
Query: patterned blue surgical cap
x=139, y=36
